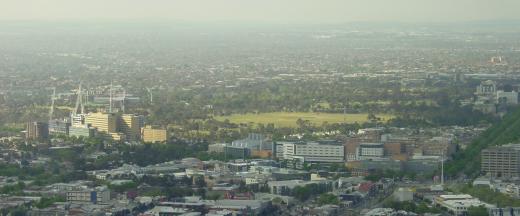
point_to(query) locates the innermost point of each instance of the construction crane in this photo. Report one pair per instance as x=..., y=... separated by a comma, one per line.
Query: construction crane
x=110, y=106
x=123, y=101
x=79, y=102
x=151, y=94
x=53, y=98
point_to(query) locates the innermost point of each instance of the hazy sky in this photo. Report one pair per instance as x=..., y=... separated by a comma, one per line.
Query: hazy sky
x=271, y=11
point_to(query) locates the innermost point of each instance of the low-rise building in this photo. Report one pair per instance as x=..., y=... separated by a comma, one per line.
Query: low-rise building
x=217, y=148
x=459, y=204
x=150, y=134
x=82, y=131
x=95, y=195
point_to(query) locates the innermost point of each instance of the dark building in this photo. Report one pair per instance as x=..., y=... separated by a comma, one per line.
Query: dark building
x=237, y=152
x=37, y=131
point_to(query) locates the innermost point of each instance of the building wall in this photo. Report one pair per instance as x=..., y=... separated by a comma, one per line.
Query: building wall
x=217, y=148
x=129, y=124
x=510, y=97
x=93, y=196
x=59, y=127
x=261, y=153
x=370, y=151
x=81, y=131
x=79, y=196
x=393, y=148
x=500, y=162
x=313, y=152
x=351, y=145
x=37, y=130
x=236, y=152
x=103, y=122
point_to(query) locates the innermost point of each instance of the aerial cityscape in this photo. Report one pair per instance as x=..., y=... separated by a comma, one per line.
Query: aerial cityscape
x=234, y=108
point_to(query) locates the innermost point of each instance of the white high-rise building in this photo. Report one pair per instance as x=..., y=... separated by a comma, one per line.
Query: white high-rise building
x=310, y=152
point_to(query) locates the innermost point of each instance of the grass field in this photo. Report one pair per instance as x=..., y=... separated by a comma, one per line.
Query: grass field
x=288, y=119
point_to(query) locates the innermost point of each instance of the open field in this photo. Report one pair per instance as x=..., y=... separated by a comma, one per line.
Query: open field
x=288, y=119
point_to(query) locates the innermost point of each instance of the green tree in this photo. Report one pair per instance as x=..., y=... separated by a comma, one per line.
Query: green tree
x=327, y=198
x=477, y=211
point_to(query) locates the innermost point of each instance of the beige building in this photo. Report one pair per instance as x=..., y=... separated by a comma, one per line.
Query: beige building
x=150, y=134
x=103, y=122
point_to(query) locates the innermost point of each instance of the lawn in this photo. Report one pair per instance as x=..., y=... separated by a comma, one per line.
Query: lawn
x=288, y=119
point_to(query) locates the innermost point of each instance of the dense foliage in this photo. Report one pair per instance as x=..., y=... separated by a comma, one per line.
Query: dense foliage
x=303, y=193
x=422, y=208
x=477, y=211
x=490, y=196
x=328, y=199
x=503, y=132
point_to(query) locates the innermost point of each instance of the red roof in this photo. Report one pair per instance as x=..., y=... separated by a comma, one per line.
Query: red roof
x=366, y=186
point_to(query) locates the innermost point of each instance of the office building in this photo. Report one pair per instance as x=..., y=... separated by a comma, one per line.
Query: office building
x=37, y=131
x=310, y=152
x=103, y=122
x=501, y=161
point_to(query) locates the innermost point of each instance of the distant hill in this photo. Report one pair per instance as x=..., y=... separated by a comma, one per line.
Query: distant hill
x=503, y=132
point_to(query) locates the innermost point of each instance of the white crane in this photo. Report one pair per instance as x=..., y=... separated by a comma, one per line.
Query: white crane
x=123, y=101
x=151, y=94
x=110, y=106
x=79, y=102
x=53, y=98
